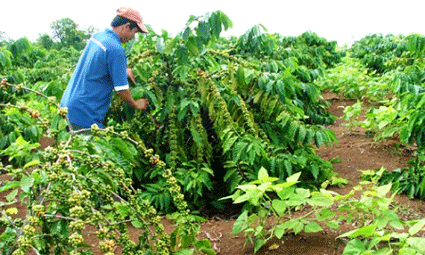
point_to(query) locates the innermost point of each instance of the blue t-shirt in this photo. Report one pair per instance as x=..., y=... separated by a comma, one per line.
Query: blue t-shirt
x=101, y=69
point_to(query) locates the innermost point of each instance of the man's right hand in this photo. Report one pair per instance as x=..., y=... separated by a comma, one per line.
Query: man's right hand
x=142, y=104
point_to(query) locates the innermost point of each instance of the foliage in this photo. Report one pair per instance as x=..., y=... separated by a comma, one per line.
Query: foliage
x=352, y=79
x=228, y=106
x=266, y=198
x=380, y=53
x=378, y=228
x=351, y=114
x=83, y=181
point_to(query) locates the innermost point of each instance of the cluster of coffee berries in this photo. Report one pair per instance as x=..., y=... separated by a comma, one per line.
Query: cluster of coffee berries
x=63, y=111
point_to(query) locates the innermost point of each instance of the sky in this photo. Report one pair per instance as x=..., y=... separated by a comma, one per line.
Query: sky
x=345, y=21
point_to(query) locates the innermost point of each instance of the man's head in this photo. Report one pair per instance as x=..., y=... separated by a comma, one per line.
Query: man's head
x=127, y=23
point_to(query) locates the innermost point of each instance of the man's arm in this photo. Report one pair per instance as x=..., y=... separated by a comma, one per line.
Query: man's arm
x=140, y=104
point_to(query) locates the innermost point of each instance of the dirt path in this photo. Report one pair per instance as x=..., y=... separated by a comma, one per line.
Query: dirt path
x=356, y=151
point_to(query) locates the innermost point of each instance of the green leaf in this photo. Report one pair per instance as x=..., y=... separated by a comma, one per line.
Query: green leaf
x=240, y=223
x=192, y=45
x=354, y=247
x=184, y=252
x=204, y=243
x=312, y=227
x=318, y=139
x=208, y=251
x=122, y=209
x=182, y=54
x=363, y=231
x=215, y=24
x=26, y=183
x=298, y=227
x=12, y=195
x=31, y=163
x=325, y=214
x=279, y=230
x=319, y=199
x=294, y=177
x=417, y=227
x=170, y=46
x=227, y=23
x=60, y=227
x=332, y=224
x=228, y=143
x=262, y=174
x=240, y=77
x=279, y=206
x=203, y=31
x=417, y=242
x=258, y=244
x=383, y=190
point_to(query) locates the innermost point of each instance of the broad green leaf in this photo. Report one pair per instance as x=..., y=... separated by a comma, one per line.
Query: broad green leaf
x=303, y=192
x=298, y=227
x=192, y=45
x=208, y=251
x=417, y=227
x=258, y=244
x=184, y=252
x=240, y=77
x=228, y=143
x=203, y=31
x=294, y=177
x=262, y=174
x=417, y=242
x=26, y=183
x=312, y=227
x=325, y=214
x=354, y=247
x=279, y=206
x=215, y=24
x=279, y=230
x=332, y=224
x=60, y=227
x=363, y=231
x=319, y=199
x=12, y=195
x=31, y=163
x=170, y=46
x=204, y=243
x=240, y=223
x=182, y=54
x=383, y=190
x=318, y=139
x=122, y=209
x=227, y=23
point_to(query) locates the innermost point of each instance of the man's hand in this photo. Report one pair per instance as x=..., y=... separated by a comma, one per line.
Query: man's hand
x=131, y=76
x=141, y=104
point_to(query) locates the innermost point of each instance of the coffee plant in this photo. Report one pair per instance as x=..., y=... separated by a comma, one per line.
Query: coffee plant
x=221, y=110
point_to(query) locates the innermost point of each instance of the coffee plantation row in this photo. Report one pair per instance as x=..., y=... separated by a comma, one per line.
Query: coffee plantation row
x=231, y=120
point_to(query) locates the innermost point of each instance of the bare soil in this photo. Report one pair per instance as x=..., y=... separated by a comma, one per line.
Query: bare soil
x=356, y=150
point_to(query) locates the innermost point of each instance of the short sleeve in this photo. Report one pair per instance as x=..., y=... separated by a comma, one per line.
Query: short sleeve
x=117, y=67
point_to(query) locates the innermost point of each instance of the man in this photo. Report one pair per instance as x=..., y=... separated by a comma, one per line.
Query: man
x=101, y=69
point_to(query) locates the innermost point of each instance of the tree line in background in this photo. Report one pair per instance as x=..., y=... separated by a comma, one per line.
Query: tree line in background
x=65, y=33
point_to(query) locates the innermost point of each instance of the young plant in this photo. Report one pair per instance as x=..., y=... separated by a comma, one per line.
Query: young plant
x=266, y=198
x=352, y=113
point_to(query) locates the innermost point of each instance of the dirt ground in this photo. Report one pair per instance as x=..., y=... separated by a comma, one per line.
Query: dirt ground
x=356, y=150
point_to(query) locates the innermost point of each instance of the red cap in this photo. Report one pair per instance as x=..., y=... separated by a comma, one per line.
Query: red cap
x=133, y=15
